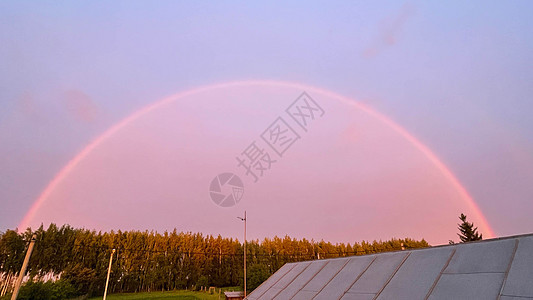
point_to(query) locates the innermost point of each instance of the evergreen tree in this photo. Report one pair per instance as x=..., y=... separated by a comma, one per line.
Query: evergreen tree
x=467, y=231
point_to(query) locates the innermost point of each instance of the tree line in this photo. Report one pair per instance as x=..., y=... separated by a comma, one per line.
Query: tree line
x=150, y=261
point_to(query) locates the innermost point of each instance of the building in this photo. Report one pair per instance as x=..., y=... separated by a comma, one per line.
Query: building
x=234, y=295
x=491, y=269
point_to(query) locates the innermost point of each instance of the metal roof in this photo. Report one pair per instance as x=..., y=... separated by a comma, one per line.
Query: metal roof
x=490, y=269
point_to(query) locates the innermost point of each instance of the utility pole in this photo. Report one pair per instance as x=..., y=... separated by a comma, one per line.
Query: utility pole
x=23, y=269
x=244, y=219
x=108, y=272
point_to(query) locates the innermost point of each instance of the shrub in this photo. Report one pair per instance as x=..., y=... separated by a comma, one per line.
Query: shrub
x=203, y=281
x=49, y=290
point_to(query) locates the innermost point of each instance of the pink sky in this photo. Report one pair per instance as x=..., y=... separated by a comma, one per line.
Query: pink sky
x=353, y=175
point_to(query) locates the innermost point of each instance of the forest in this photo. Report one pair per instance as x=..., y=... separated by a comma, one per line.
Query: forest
x=75, y=260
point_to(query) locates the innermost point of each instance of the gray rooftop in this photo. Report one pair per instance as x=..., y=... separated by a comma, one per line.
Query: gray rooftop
x=491, y=269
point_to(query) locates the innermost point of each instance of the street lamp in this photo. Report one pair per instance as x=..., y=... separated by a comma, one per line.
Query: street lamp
x=244, y=219
x=24, y=266
x=108, y=272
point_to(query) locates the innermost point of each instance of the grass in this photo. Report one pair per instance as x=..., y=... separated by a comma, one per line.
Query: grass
x=170, y=295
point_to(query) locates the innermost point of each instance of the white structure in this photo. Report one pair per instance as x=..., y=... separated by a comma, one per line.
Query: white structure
x=491, y=269
x=234, y=295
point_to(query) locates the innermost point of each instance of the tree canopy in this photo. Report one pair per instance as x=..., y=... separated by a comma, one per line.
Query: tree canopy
x=149, y=261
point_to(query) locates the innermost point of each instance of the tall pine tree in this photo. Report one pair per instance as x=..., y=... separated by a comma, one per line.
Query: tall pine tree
x=467, y=231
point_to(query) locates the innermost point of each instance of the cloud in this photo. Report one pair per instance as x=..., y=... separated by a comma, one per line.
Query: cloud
x=390, y=31
x=80, y=105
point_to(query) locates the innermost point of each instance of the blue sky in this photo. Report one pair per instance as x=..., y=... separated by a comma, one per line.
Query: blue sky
x=456, y=75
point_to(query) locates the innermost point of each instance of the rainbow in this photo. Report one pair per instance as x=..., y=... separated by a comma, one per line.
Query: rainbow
x=65, y=171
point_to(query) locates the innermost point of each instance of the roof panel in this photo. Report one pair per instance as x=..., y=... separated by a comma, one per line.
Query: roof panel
x=515, y=298
x=378, y=273
x=350, y=296
x=482, y=257
x=345, y=278
x=480, y=286
x=304, y=295
x=520, y=279
x=324, y=276
x=332, y=267
x=271, y=281
x=285, y=280
x=292, y=274
x=302, y=280
x=417, y=274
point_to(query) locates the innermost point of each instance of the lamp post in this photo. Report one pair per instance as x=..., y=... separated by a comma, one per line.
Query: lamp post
x=108, y=272
x=23, y=269
x=244, y=219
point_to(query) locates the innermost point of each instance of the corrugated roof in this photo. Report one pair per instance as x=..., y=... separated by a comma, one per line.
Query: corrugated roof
x=490, y=269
